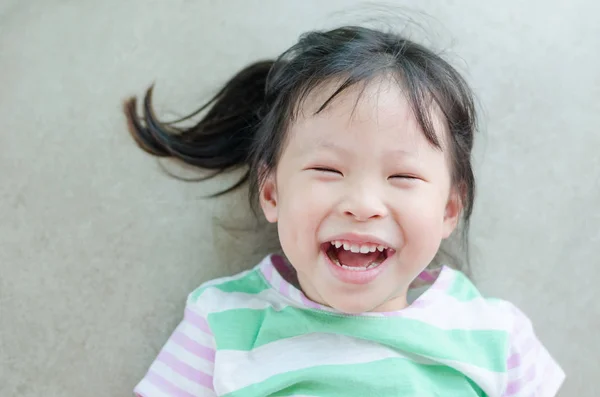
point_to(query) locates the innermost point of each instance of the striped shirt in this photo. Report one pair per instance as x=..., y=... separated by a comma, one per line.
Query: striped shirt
x=256, y=334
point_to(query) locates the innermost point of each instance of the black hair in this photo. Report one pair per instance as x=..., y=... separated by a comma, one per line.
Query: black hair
x=245, y=123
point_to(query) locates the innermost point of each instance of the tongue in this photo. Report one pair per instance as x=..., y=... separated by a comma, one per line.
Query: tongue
x=356, y=259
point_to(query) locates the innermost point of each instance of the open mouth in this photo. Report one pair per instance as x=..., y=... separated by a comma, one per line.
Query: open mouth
x=356, y=257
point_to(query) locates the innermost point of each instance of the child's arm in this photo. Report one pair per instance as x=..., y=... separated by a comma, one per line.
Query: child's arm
x=184, y=366
x=531, y=369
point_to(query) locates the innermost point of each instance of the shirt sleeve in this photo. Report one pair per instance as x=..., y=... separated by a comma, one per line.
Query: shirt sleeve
x=532, y=372
x=185, y=365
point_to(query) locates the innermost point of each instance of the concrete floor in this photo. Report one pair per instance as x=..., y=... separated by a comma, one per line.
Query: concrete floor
x=98, y=248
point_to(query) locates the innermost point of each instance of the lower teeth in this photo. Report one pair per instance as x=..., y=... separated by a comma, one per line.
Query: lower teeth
x=357, y=268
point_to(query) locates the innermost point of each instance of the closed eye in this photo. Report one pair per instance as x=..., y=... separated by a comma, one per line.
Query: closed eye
x=326, y=170
x=404, y=176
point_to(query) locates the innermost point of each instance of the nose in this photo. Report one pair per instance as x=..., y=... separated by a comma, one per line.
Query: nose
x=363, y=204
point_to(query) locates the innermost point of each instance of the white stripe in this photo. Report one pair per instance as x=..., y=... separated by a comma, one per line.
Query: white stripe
x=239, y=369
x=177, y=380
x=447, y=314
x=214, y=300
x=196, y=334
x=476, y=314
x=295, y=294
x=147, y=389
x=188, y=358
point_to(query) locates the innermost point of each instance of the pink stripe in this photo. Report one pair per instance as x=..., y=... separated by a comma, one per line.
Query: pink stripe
x=166, y=386
x=268, y=273
x=193, y=346
x=512, y=388
x=284, y=289
x=197, y=320
x=513, y=361
x=515, y=386
x=308, y=303
x=185, y=370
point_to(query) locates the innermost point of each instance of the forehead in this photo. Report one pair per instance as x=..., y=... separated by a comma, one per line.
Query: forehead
x=378, y=110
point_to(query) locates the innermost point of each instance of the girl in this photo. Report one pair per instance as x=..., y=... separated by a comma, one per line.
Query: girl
x=358, y=145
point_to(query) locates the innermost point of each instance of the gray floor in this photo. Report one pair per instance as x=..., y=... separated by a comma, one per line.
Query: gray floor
x=99, y=248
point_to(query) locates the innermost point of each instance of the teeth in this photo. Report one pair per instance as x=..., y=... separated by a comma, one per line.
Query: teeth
x=358, y=248
x=372, y=265
x=364, y=249
x=356, y=268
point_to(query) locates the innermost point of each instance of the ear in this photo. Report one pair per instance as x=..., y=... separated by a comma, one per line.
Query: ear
x=452, y=212
x=268, y=199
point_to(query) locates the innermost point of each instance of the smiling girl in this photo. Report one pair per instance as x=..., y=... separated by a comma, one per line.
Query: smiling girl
x=358, y=146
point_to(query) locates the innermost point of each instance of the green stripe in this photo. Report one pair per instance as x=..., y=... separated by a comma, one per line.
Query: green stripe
x=462, y=288
x=251, y=283
x=388, y=377
x=246, y=329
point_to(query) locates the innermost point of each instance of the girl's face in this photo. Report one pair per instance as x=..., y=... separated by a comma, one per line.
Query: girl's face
x=360, y=176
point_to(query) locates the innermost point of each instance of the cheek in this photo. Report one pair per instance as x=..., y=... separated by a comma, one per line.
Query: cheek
x=304, y=197
x=421, y=216
x=302, y=207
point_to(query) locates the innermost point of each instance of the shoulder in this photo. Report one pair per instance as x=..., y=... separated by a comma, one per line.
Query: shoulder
x=220, y=293
x=531, y=370
x=528, y=367
x=461, y=295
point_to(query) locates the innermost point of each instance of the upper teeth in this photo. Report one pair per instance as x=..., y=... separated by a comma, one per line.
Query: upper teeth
x=362, y=248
